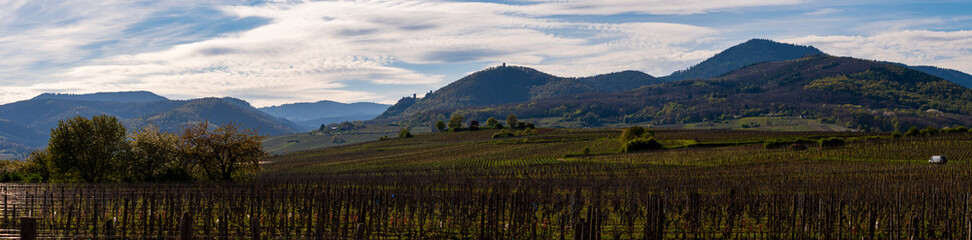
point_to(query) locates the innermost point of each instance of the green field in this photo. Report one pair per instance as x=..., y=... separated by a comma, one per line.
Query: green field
x=284, y=144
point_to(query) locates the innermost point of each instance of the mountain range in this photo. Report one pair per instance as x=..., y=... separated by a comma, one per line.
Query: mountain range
x=755, y=78
x=25, y=125
x=312, y=115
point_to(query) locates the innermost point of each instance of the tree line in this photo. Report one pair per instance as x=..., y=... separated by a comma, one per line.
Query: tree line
x=101, y=149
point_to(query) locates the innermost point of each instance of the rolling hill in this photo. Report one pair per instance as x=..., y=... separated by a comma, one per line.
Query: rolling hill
x=26, y=125
x=748, y=53
x=125, y=97
x=313, y=115
x=853, y=93
x=508, y=84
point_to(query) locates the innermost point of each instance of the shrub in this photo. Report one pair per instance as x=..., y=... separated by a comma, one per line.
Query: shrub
x=896, y=135
x=337, y=139
x=474, y=125
x=503, y=134
x=634, y=132
x=640, y=144
x=832, y=142
x=404, y=133
x=959, y=129
x=586, y=151
x=913, y=132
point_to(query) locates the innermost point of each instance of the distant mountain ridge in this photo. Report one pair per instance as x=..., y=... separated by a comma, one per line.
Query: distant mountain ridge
x=26, y=124
x=955, y=76
x=509, y=84
x=313, y=115
x=748, y=53
x=127, y=97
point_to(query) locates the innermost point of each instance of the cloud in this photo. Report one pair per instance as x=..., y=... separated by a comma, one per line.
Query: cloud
x=308, y=51
x=949, y=49
x=659, y=7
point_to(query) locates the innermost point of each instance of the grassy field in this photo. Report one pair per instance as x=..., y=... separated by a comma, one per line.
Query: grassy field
x=284, y=144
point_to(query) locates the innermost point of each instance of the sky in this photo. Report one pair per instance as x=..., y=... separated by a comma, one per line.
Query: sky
x=282, y=51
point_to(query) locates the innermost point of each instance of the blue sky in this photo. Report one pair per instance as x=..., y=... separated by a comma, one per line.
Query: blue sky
x=275, y=52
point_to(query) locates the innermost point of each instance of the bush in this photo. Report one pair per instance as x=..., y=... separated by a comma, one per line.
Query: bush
x=640, y=144
x=337, y=139
x=896, y=135
x=913, y=132
x=959, y=129
x=832, y=142
x=635, y=132
x=503, y=134
x=511, y=121
x=404, y=133
x=586, y=151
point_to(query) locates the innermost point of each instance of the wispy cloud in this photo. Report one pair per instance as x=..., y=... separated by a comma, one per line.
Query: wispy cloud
x=950, y=49
x=309, y=50
x=284, y=51
x=660, y=7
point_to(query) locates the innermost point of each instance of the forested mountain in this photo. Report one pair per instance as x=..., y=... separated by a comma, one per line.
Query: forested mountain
x=859, y=94
x=312, y=115
x=751, y=52
x=129, y=97
x=955, y=76
x=26, y=124
x=508, y=84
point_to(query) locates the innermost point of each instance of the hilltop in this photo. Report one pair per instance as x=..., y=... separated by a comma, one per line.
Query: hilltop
x=509, y=84
x=748, y=53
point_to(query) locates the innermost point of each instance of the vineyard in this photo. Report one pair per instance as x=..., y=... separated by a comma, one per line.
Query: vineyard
x=705, y=184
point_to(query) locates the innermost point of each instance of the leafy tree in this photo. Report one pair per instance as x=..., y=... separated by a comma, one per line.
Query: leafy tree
x=404, y=133
x=474, y=125
x=634, y=132
x=492, y=122
x=87, y=150
x=154, y=155
x=511, y=120
x=440, y=125
x=455, y=122
x=224, y=154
